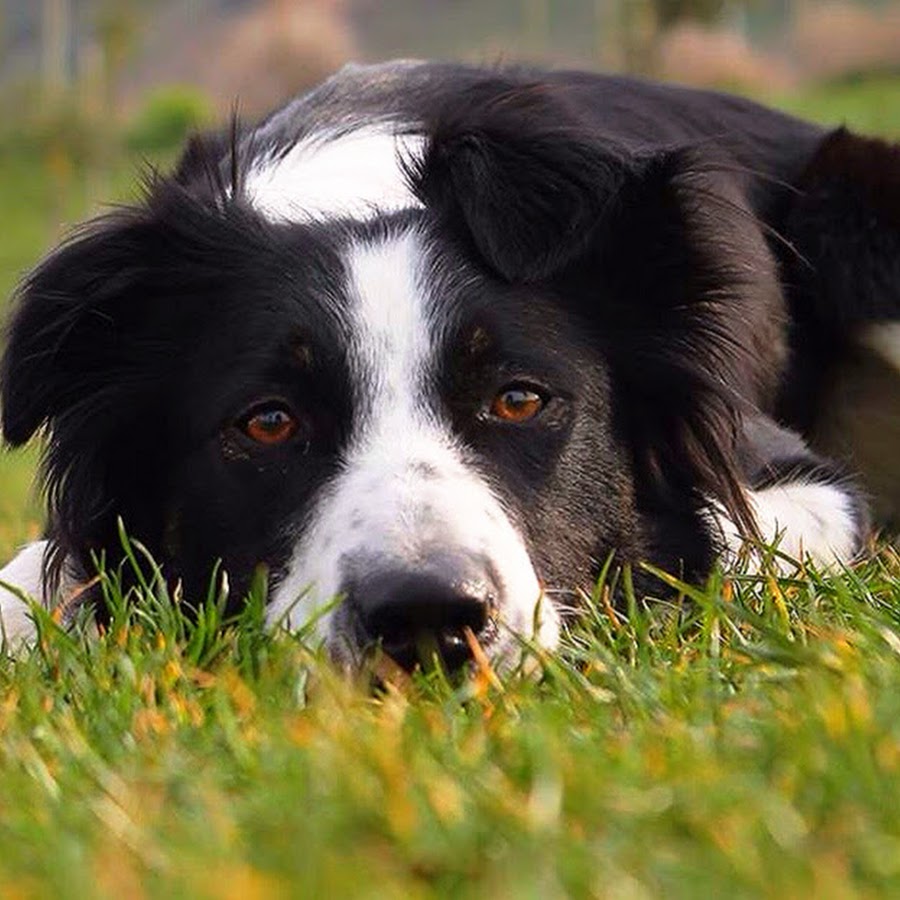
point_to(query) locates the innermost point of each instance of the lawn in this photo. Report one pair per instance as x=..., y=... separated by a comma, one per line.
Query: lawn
x=743, y=741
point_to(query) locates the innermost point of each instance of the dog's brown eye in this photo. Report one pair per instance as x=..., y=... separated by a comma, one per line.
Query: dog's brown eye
x=270, y=425
x=516, y=404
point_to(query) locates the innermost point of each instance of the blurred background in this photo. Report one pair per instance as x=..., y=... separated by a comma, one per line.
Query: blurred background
x=93, y=90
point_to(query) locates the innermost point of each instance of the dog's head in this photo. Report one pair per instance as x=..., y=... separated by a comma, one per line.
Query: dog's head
x=446, y=409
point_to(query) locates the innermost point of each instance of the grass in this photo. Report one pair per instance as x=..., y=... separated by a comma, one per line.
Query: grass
x=745, y=741
x=748, y=741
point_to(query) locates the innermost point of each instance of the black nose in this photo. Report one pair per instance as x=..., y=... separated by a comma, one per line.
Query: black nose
x=414, y=615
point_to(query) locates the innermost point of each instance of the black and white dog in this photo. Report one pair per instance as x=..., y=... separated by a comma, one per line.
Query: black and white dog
x=438, y=339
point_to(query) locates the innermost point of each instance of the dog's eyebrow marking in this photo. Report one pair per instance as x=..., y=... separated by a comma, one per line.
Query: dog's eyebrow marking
x=479, y=340
x=302, y=354
x=357, y=174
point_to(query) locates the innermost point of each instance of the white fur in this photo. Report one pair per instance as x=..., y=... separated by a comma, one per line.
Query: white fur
x=405, y=493
x=357, y=174
x=805, y=520
x=24, y=573
x=884, y=339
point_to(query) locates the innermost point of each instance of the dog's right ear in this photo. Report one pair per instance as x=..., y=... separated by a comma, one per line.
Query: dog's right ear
x=63, y=327
x=92, y=327
x=97, y=343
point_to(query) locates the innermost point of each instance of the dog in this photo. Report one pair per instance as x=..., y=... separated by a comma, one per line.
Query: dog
x=437, y=340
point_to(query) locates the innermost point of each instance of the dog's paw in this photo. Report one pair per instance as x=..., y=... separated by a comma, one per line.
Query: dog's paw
x=822, y=521
x=22, y=576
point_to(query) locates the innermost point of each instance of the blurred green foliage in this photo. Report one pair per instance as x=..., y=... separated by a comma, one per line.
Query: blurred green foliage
x=668, y=12
x=867, y=103
x=167, y=117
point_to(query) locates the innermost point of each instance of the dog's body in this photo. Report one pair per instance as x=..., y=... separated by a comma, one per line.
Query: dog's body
x=439, y=339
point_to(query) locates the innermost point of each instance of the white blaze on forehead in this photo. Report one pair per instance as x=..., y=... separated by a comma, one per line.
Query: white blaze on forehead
x=406, y=498
x=357, y=174
x=884, y=339
x=392, y=337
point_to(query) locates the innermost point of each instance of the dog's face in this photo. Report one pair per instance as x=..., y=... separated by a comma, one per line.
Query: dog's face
x=373, y=417
x=445, y=414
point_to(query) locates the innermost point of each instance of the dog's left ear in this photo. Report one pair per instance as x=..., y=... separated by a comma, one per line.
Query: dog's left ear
x=660, y=255
x=514, y=176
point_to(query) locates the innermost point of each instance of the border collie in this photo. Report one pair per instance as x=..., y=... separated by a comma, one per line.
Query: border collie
x=438, y=339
